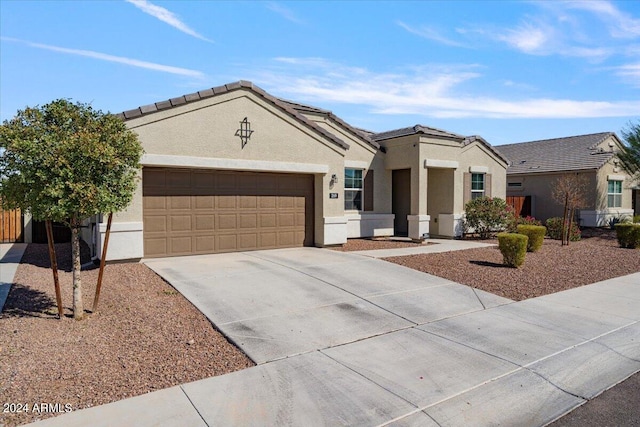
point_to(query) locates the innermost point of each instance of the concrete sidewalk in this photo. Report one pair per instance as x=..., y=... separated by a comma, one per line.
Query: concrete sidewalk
x=340, y=342
x=10, y=256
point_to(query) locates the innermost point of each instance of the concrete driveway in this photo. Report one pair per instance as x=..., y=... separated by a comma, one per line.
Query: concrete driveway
x=345, y=340
x=281, y=303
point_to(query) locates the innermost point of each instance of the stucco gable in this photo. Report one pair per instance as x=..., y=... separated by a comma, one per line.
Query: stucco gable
x=219, y=90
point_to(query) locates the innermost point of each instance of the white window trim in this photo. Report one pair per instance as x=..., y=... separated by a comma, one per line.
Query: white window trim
x=361, y=189
x=484, y=185
x=609, y=194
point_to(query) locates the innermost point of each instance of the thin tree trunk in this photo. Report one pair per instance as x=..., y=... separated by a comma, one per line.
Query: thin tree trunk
x=564, y=218
x=103, y=260
x=54, y=267
x=570, y=225
x=78, y=308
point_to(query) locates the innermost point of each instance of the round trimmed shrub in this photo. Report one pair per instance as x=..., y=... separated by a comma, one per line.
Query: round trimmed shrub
x=535, y=233
x=513, y=247
x=628, y=235
x=554, y=229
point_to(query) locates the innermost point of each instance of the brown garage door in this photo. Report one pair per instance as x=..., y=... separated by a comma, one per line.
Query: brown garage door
x=202, y=211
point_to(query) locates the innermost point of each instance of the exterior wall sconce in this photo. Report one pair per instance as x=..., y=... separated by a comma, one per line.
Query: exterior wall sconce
x=334, y=179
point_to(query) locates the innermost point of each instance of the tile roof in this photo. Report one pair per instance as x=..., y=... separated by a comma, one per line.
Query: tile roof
x=439, y=133
x=293, y=109
x=559, y=154
x=415, y=130
x=302, y=108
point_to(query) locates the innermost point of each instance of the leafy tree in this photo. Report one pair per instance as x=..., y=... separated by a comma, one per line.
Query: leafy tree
x=570, y=190
x=66, y=162
x=630, y=156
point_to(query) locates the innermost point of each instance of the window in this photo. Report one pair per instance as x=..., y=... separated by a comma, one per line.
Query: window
x=514, y=185
x=614, y=194
x=477, y=185
x=353, y=189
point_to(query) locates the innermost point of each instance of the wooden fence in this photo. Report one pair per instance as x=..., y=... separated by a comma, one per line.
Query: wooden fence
x=521, y=205
x=11, y=226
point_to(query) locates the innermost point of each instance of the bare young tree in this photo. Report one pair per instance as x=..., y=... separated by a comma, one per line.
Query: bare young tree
x=570, y=190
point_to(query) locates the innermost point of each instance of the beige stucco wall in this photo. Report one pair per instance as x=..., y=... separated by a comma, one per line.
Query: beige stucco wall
x=539, y=186
x=612, y=168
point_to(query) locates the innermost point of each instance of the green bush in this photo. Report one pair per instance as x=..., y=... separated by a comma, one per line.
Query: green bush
x=628, y=235
x=513, y=247
x=554, y=230
x=535, y=233
x=486, y=215
x=636, y=219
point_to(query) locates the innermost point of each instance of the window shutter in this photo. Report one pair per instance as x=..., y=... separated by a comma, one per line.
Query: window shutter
x=368, y=191
x=487, y=184
x=466, y=187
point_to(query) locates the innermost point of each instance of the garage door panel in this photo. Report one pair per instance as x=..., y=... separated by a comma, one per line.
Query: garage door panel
x=247, y=241
x=155, y=203
x=205, y=223
x=155, y=246
x=268, y=220
x=286, y=219
x=180, y=245
x=180, y=223
x=155, y=224
x=267, y=202
x=205, y=244
x=226, y=202
x=268, y=240
x=226, y=222
x=203, y=182
x=227, y=181
x=180, y=203
x=203, y=211
x=204, y=202
x=247, y=202
x=248, y=221
x=227, y=243
x=179, y=179
x=287, y=238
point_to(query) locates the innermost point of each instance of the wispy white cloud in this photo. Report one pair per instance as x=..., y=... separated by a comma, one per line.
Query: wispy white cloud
x=620, y=24
x=111, y=58
x=437, y=91
x=284, y=11
x=528, y=38
x=167, y=17
x=630, y=73
x=429, y=33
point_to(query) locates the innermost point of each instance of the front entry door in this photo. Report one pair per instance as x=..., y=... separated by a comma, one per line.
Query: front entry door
x=401, y=200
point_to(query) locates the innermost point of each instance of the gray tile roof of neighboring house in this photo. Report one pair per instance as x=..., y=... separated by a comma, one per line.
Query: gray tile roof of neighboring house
x=291, y=108
x=558, y=154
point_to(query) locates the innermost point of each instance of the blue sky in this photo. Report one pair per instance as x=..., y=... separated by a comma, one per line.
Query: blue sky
x=508, y=71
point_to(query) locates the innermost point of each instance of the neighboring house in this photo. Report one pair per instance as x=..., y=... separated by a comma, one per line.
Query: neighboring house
x=534, y=167
x=234, y=168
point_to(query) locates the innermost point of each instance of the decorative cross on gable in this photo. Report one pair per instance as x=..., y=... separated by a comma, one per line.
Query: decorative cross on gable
x=244, y=132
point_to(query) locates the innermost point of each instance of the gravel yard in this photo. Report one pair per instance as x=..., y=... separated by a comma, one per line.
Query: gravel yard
x=552, y=269
x=144, y=337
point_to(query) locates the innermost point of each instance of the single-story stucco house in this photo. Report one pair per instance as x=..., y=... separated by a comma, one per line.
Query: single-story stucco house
x=536, y=165
x=234, y=168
